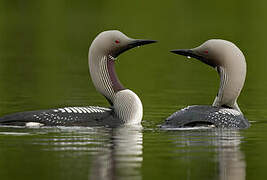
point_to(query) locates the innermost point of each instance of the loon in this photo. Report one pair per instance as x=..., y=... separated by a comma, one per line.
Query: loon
x=126, y=107
x=230, y=63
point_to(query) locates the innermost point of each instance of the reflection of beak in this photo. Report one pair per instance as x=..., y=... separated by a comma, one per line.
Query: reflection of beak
x=193, y=54
x=134, y=43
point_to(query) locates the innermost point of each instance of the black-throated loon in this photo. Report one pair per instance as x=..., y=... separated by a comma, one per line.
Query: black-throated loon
x=126, y=106
x=230, y=63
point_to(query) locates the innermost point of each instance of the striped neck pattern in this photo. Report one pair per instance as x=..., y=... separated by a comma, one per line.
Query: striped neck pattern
x=104, y=77
x=228, y=91
x=223, y=82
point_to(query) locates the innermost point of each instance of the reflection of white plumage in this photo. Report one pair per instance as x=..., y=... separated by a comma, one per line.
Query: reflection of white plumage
x=219, y=147
x=123, y=158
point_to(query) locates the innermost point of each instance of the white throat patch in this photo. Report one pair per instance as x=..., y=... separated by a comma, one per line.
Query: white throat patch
x=128, y=107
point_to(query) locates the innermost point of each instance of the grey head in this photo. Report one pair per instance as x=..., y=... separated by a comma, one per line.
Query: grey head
x=104, y=50
x=114, y=43
x=228, y=61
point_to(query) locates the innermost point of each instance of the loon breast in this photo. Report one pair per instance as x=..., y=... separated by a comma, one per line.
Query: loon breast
x=201, y=115
x=230, y=63
x=127, y=107
x=68, y=116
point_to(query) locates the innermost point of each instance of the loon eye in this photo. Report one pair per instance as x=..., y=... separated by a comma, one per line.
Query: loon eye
x=206, y=52
x=117, y=41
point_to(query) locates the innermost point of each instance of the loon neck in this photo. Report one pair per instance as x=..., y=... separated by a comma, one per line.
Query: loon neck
x=116, y=84
x=104, y=77
x=231, y=83
x=127, y=105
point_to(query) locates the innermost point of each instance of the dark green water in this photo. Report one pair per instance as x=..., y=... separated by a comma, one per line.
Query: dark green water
x=43, y=64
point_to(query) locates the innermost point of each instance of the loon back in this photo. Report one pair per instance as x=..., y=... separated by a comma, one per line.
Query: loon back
x=68, y=116
x=230, y=63
x=203, y=115
x=127, y=107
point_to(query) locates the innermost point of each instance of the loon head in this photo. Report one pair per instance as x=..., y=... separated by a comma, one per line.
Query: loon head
x=114, y=42
x=229, y=62
x=216, y=53
x=105, y=48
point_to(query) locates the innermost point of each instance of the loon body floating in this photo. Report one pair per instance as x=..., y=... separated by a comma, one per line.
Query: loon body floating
x=126, y=106
x=230, y=63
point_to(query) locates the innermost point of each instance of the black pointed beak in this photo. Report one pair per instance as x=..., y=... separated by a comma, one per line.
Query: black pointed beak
x=193, y=54
x=186, y=52
x=132, y=44
x=140, y=42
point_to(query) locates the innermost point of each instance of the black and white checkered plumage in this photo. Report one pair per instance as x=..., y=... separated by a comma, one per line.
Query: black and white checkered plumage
x=201, y=115
x=68, y=116
x=126, y=106
x=228, y=60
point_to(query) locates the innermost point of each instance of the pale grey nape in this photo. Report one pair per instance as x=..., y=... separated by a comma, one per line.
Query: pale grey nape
x=230, y=63
x=102, y=56
x=126, y=107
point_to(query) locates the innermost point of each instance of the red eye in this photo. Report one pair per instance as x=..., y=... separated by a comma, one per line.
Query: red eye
x=206, y=52
x=117, y=41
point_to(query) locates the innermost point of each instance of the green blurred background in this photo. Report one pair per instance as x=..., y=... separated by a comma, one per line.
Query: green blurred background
x=43, y=61
x=44, y=46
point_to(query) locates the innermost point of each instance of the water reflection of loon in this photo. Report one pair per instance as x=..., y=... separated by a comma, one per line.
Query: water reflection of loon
x=126, y=106
x=230, y=160
x=98, y=153
x=123, y=158
x=230, y=63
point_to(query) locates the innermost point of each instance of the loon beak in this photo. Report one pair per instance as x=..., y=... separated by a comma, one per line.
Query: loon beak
x=133, y=43
x=186, y=52
x=140, y=42
x=191, y=53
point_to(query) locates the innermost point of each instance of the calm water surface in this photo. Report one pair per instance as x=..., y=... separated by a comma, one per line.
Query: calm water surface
x=43, y=64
